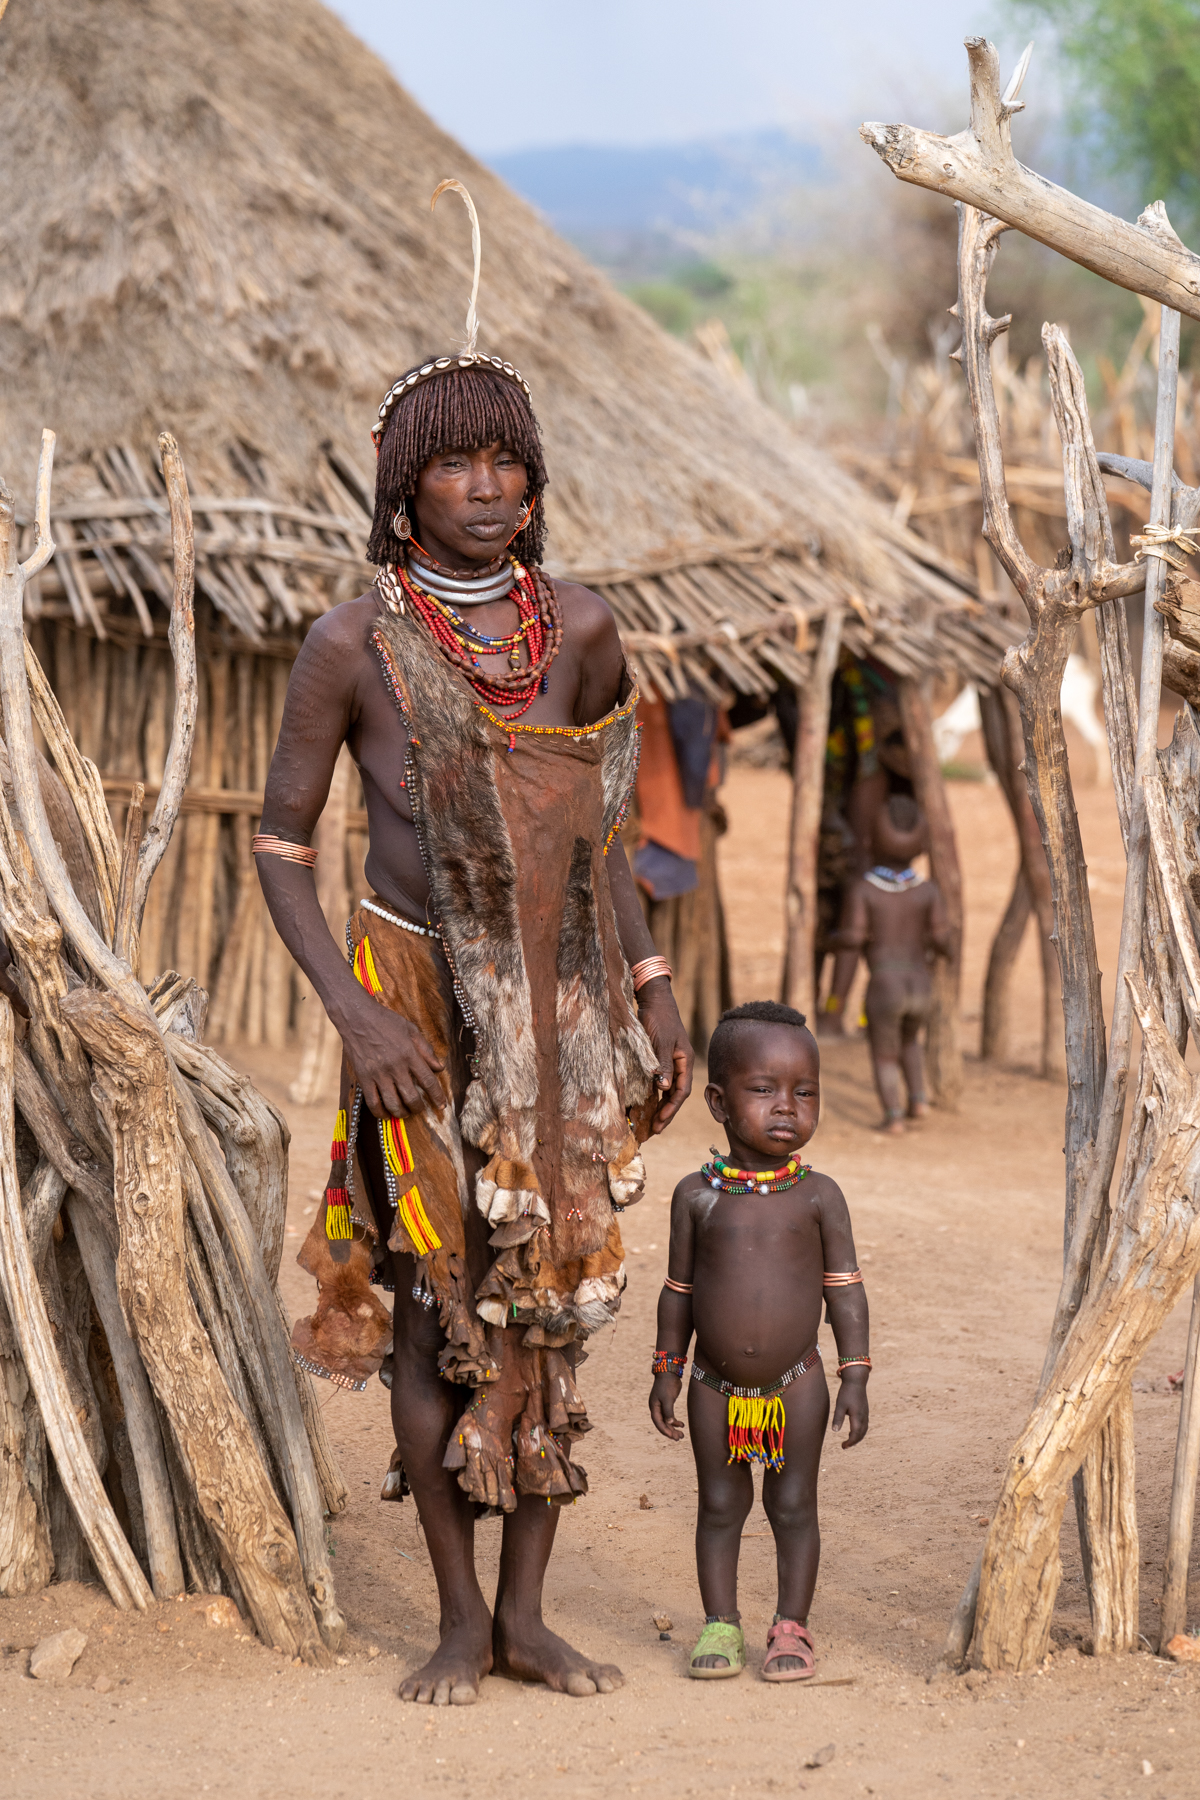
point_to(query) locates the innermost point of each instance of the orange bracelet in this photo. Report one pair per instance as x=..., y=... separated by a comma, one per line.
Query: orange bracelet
x=265, y=843
x=649, y=969
x=832, y=1279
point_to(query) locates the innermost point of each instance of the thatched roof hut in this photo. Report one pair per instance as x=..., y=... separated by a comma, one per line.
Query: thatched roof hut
x=216, y=219
x=219, y=217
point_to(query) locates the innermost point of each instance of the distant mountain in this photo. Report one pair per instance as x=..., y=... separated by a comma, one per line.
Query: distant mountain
x=606, y=198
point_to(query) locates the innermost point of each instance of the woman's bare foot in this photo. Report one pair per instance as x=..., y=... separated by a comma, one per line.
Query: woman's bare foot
x=893, y=1125
x=452, y=1675
x=918, y=1109
x=530, y=1651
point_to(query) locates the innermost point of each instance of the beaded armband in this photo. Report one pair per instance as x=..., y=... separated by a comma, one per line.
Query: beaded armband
x=664, y=1362
x=853, y=1362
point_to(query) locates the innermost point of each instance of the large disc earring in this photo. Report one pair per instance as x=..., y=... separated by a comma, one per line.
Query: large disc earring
x=402, y=524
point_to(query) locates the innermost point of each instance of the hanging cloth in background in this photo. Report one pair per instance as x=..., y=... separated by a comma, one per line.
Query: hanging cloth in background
x=672, y=778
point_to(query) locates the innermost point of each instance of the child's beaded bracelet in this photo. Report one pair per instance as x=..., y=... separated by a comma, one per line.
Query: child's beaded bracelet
x=853, y=1362
x=665, y=1362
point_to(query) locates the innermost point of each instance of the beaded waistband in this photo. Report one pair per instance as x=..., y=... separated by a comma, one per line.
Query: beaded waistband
x=808, y=1361
x=392, y=918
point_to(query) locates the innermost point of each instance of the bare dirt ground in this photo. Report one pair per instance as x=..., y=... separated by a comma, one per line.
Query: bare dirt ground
x=959, y=1229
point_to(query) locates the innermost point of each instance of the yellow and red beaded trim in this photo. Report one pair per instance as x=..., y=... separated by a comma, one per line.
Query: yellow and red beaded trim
x=393, y=1135
x=338, y=1224
x=396, y=1146
x=364, y=968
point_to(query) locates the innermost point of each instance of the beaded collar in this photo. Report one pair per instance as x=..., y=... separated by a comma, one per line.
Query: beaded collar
x=726, y=1179
x=892, y=881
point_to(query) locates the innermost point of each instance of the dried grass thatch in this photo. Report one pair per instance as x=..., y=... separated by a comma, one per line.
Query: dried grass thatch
x=218, y=217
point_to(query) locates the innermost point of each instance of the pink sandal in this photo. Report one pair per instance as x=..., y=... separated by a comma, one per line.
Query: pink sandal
x=788, y=1638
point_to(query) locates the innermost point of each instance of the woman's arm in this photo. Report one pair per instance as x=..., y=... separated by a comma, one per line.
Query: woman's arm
x=656, y=1003
x=395, y=1066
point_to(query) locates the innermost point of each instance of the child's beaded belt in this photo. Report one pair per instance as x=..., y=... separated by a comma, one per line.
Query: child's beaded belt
x=769, y=1392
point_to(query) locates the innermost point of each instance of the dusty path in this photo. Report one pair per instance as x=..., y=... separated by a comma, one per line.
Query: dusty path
x=959, y=1232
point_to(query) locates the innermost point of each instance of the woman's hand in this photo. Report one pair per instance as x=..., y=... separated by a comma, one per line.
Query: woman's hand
x=663, y=1396
x=664, y=1027
x=394, y=1065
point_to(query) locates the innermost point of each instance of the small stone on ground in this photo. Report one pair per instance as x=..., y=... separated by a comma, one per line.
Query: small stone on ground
x=55, y=1657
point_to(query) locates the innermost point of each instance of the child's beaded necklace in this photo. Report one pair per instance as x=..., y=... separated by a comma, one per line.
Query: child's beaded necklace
x=726, y=1179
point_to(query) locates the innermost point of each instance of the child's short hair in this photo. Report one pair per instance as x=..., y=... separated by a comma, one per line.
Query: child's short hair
x=721, y=1054
x=904, y=812
x=899, y=830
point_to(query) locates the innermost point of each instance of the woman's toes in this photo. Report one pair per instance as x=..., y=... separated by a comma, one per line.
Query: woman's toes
x=605, y=1685
x=463, y=1695
x=580, y=1684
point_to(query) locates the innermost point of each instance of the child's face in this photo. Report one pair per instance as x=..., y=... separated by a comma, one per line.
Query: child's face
x=771, y=1098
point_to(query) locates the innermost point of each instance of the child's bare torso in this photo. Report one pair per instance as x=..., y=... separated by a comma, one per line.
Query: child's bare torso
x=898, y=926
x=757, y=1278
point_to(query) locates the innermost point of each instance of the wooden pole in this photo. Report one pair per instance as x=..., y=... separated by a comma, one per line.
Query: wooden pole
x=1005, y=749
x=808, y=795
x=1173, y=1616
x=943, y=1050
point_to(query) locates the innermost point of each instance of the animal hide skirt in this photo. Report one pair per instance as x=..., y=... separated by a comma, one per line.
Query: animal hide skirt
x=515, y=1436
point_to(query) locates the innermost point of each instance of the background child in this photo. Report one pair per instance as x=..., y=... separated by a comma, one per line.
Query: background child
x=900, y=919
x=756, y=1239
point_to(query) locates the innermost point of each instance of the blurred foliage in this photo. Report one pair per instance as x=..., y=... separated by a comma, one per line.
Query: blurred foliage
x=1133, y=69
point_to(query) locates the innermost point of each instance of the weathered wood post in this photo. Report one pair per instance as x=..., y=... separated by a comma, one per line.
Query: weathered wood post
x=804, y=834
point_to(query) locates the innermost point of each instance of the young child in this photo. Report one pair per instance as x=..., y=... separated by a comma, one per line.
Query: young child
x=901, y=920
x=756, y=1240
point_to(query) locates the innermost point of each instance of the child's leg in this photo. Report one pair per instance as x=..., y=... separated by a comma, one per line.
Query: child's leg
x=790, y=1498
x=726, y=1496
x=883, y=1028
x=912, y=1057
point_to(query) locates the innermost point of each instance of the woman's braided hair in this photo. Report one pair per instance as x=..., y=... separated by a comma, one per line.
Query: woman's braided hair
x=457, y=409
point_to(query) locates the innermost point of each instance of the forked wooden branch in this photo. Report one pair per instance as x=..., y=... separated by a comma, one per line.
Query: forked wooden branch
x=182, y=638
x=978, y=168
x=1146, y=1266
x=1055, y=600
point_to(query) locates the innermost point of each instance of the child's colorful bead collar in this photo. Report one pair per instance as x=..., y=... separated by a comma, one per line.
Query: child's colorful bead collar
x=722, y=1175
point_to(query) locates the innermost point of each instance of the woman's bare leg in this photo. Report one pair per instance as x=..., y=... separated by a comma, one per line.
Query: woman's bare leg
x=525, y=1647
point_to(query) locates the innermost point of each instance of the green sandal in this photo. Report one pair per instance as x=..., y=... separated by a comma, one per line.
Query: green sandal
x=719, y=1639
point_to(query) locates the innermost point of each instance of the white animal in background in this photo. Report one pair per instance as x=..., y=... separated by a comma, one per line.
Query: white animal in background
x=1078, y=702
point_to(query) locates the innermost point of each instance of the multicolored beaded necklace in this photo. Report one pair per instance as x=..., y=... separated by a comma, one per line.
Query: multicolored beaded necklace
x=540, y=628
x=728, y=1180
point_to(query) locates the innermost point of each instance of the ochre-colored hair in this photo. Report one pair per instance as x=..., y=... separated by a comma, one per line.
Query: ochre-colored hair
x=460, y=409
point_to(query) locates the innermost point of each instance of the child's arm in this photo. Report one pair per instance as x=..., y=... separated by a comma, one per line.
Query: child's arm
x=847, y=1311
x=855, y=927
x=937, y=922
x=674, y=1314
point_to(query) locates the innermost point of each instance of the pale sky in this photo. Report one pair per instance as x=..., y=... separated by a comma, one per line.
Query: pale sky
x=537, y=72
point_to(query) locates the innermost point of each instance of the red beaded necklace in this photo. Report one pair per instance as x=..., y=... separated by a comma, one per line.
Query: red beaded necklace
x=540, y=624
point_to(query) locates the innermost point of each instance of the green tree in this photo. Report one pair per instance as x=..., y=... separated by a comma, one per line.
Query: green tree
x=1133, y=67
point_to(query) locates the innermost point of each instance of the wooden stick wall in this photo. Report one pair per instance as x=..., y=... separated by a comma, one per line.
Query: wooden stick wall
x=205, y=915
